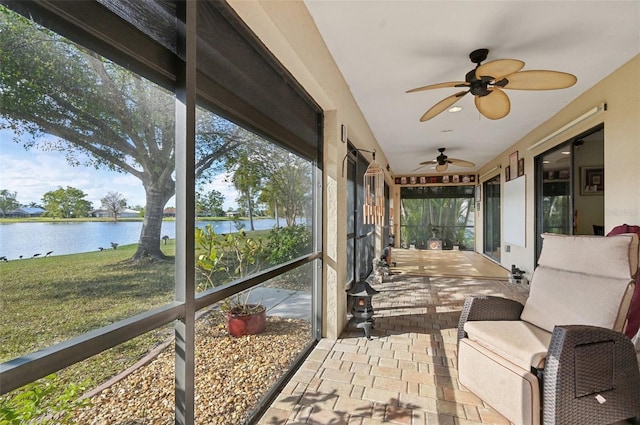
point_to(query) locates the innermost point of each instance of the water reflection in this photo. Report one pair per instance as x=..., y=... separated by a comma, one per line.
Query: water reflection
x=28, y=239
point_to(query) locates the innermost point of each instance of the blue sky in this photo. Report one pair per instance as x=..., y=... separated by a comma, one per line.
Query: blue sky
x=31, y=173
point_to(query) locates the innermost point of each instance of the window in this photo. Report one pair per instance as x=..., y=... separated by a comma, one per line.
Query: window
x=126, y=84
x=98, y=136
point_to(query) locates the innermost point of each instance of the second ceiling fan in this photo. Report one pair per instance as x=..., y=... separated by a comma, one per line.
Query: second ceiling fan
x=486, y=82
x=442, y=162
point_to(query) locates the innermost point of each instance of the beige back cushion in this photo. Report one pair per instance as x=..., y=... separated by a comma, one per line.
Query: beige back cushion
x=614, y=256
x=582, y=280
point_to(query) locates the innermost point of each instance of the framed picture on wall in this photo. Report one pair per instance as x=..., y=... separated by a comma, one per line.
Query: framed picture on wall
x=521, y=167
x=592, y=180
x=507, y=173
x=513, y=162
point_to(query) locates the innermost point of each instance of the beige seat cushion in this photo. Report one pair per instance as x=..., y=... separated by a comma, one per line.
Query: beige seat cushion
x=521, y=343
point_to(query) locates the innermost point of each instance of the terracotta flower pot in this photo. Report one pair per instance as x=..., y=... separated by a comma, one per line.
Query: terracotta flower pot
x=246, y=324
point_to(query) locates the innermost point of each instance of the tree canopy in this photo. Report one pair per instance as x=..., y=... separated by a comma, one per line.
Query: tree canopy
x=66, y=202
x=247, y=180
x=210, y=203
x=8, y=201
x=273, y=175
x=60, y=96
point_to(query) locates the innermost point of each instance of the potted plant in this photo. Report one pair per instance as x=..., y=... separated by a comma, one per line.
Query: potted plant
x=244, y=318
x=237, y=255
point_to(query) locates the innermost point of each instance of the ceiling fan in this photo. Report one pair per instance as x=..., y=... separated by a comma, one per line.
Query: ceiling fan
x=442, y=161
x=486, y=82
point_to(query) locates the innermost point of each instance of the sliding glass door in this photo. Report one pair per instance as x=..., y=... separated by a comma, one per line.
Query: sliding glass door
x=570, y=187
x=491, y=190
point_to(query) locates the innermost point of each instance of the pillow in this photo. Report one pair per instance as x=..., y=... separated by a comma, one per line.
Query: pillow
x=615, y=257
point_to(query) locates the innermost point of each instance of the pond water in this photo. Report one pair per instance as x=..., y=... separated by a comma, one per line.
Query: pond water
x=27, y=239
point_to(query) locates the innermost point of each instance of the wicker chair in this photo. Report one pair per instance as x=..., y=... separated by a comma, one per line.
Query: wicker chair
x=562, y=357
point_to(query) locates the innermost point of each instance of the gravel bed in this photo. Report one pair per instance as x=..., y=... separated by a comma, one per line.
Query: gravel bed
x=232, y=375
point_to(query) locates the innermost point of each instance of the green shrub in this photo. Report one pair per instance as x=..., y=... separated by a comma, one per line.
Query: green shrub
x=235, y=254
x=209, y=260
x=36, y=403
x=287, y=243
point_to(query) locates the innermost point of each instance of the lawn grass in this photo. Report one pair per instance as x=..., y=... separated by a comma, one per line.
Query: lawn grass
x=44, y=301
x=48, y=300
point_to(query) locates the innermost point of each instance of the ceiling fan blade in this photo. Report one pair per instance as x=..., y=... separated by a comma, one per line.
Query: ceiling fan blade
x=433, y=161
x=461, y=162
x=441, y=167
x=499, y=68
x=439, y=86
x=442, y=105
x=416, y=169
x=495, y=105
x=540, y=80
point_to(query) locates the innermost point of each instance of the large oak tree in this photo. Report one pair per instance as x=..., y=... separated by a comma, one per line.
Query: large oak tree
x=60, y=96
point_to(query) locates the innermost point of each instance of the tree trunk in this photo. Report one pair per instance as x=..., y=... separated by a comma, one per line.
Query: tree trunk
x=149, y=243
x=250, y=203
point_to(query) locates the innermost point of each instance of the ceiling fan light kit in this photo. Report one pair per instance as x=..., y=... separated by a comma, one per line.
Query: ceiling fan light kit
x=487, y=81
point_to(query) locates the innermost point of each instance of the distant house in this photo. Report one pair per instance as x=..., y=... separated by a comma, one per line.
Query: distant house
x=99, y=213
x=26, y=212
x=169, y=212
x=233, y=213
x=127, y=213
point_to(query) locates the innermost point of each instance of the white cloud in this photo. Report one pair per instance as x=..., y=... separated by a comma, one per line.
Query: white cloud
x=33, y=173
x=229, y=192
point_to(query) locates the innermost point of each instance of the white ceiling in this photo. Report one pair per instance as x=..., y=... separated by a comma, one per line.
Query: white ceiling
x=384, y=48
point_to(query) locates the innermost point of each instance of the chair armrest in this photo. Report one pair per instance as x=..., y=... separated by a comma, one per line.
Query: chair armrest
x=488, y=308
x=591, y=375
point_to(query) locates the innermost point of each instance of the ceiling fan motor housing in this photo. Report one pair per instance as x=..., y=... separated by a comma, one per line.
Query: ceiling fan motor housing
x=478, y=86
x=442, y=158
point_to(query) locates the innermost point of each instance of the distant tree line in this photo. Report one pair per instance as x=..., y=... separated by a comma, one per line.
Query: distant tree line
x=71, y=202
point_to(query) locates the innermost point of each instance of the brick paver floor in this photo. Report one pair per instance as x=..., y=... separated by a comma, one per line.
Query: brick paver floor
x=406, y=374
